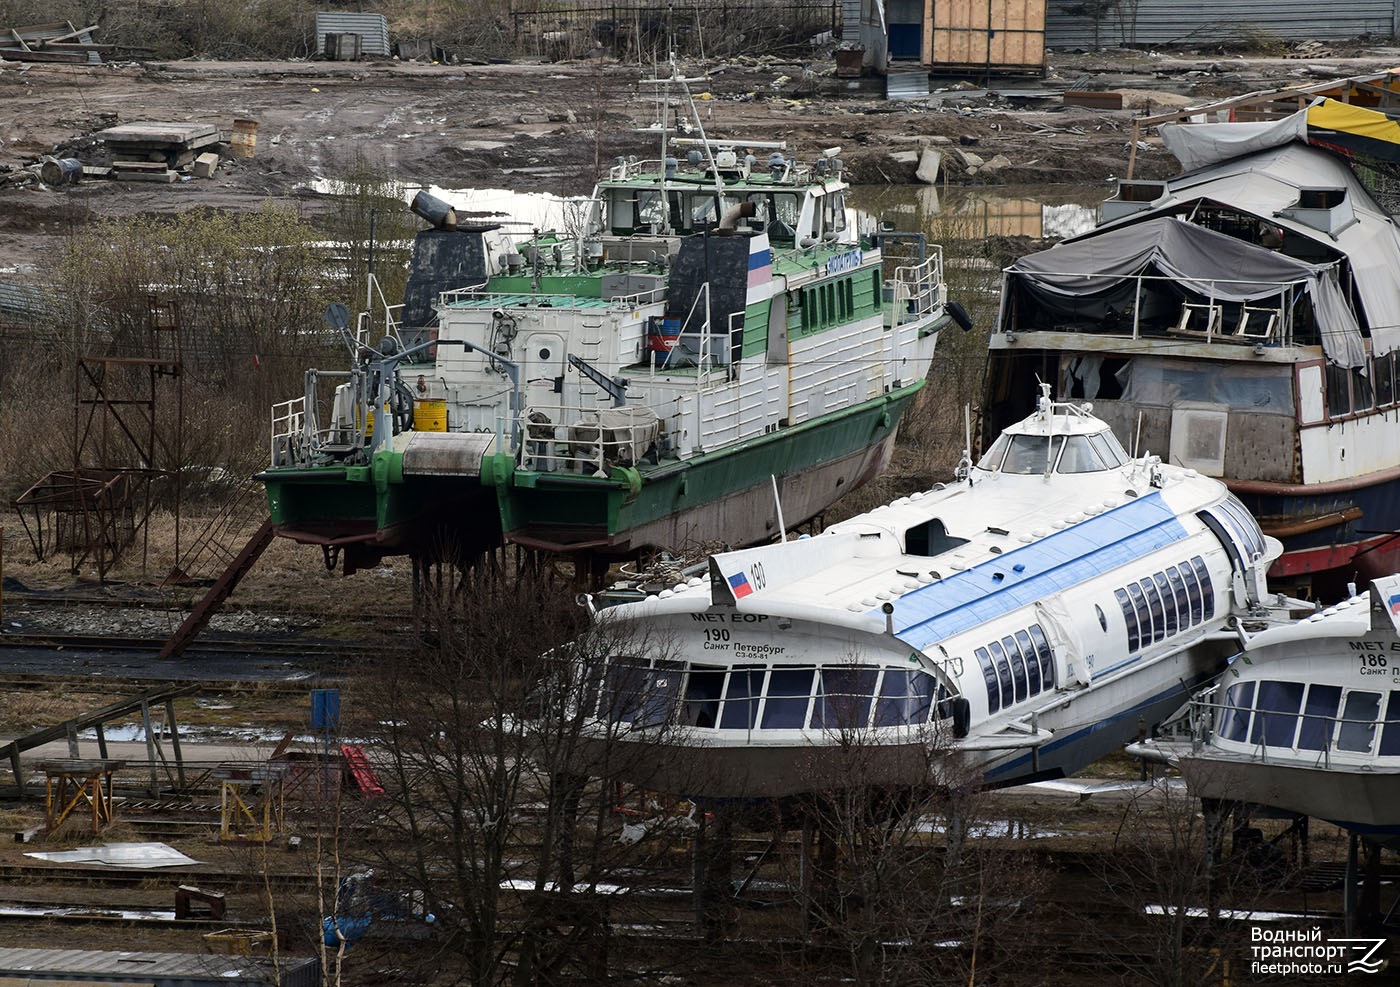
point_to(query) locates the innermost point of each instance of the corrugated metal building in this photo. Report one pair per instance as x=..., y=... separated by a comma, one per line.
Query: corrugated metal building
x=373, y=30
x=160, y=969
x=1160, y=22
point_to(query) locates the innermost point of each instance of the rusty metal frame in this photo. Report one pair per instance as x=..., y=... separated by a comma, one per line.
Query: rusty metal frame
x=99, y=507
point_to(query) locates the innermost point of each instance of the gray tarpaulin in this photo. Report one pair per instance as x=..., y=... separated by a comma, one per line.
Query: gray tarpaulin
x=1210, y=264
x=1196, y=145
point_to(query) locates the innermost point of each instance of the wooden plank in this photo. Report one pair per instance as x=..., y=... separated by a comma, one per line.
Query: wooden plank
x=142, y=176
x=1094, y=100
x=123, y=164
x=161, y=133
x=44, y=28
x=30, y=55
x=72, y=33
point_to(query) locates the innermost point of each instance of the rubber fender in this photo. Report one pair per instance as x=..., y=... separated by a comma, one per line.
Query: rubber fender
x=631, y=478
x=962, y=717
x=960, y=316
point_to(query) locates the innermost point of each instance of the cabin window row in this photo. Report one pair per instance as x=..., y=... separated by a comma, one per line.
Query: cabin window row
x=1166, y=603
x=1358, y=390
x=1311, y=717
x=828, y=304
x=749, y=697
x=1017, y=667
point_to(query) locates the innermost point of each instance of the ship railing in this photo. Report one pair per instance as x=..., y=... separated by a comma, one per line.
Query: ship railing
x=588, y=441
x=1207, y=715
x=297, y=438
x=390, y=317
x=288, y=432
x=1213, y=312
x=916, y=290
x=507, y=300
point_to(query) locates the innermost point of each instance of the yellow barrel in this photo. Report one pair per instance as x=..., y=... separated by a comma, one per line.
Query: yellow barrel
x=430, y=415
x=245, y=138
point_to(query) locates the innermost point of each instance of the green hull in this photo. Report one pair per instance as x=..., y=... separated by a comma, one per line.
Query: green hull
x=725, y=495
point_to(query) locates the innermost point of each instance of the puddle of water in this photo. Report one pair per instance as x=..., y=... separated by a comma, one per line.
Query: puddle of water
x=942, y=213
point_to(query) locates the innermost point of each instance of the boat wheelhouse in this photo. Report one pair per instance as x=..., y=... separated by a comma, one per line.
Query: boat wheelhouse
x=1242, y=320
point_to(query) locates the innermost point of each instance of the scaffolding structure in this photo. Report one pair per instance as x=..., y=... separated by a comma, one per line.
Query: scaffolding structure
x=122, y=454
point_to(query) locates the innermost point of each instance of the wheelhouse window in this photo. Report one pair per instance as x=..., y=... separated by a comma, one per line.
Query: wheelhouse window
x=1358, y=725
x=1276, y=713
x=906, y=695
x=636, y=692
x=704, y=688
x=1383, y=372
x=1338, y=391
x=1077, y=455
x=789, y=694
x=1110, y=451
x=1234, y=717
x=844, y=695
x=741, y=697
x=1390, y=738
x=1319, y=714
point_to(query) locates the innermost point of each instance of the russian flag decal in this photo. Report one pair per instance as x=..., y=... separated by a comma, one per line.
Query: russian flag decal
x=739, y=585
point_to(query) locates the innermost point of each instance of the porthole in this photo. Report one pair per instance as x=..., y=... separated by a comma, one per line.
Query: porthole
x=544, y=353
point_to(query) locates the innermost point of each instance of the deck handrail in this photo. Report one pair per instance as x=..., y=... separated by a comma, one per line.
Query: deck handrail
x=1277, y=331
x=1206, y=713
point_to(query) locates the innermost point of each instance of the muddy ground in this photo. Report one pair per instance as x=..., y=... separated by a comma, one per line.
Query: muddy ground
x=550, y=127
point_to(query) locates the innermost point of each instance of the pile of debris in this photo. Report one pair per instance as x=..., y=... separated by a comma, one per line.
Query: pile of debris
x=158, y=152
x=146, y=151
x=50, y=43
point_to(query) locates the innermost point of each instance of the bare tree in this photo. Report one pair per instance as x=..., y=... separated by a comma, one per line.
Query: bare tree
x=499, y=811
x=891, y=873
x=1186, y=877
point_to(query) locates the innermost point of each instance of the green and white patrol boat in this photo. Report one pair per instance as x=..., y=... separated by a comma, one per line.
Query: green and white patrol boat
x=711, y=339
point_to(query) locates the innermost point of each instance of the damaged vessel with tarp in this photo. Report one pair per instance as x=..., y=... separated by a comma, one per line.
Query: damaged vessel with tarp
x=1241, y=319
x=705, y=338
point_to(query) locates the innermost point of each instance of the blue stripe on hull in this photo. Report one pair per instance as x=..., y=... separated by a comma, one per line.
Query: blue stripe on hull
x=1024, y=575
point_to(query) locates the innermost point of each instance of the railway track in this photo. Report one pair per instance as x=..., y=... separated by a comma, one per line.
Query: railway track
x=280, y=647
